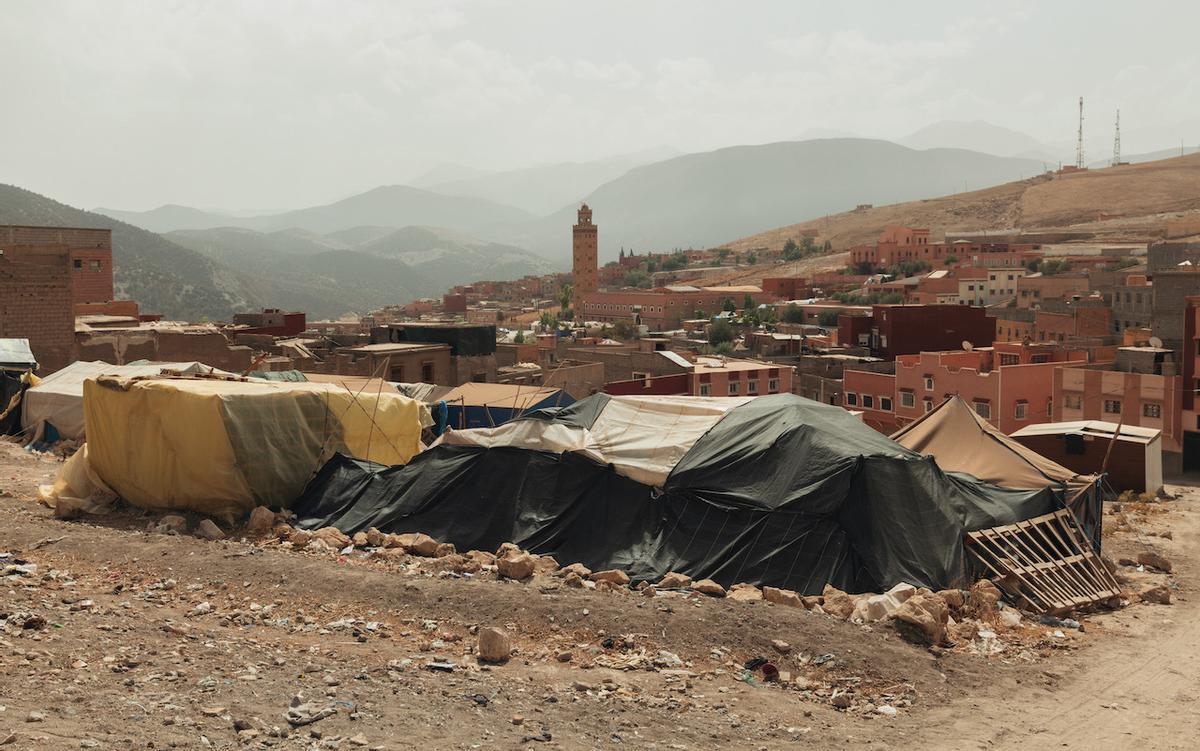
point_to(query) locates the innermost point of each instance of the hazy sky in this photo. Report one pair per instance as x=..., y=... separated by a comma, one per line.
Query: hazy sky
x=286, y=103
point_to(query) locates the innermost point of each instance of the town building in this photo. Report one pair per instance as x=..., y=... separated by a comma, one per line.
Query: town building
x=1142, y=388
x=711, y=376
x=663, y=308
x=1009, y=384
x=1133, y=304
x=893, y=330
x=35, y=302
x=898, y=244
x=472, y=347
x=271, y=321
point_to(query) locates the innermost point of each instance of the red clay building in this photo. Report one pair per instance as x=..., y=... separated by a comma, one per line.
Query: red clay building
x=893, y=330
x=35, y=302
x=90, y=252
x=271, y=321
x=1010, y=385
x=712, y=376
x=900, y=244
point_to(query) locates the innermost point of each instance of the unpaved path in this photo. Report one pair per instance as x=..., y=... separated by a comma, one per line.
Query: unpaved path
x=1138, y=687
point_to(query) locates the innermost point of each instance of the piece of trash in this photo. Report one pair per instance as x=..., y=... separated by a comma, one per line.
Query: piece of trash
x=444, y=667
x=755, y=662
x=823, y=659
x=770, y=673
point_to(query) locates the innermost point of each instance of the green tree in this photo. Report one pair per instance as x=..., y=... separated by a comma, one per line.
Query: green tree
x=624, y=330
x=751, y=258
x=807, y=245
x=675, y=262
x=1052, y=266
x=951, y=259
x=828, y=246
x=747, y=302
x=548, y=320
x=724, y=348
x=699, y=313
x=791, y=251
x=637, y=278
x=793, y=314
x=728, y=306
x=519, y=338
x=719, y=332
x=828, y=318
x=564, y=296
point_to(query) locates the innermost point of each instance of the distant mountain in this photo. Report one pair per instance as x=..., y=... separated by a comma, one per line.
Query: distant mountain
x=164, y=277
x=977, y=135
x=702, y=200
x=172, y=217
x=359, y=269
x=395, y=206
x=542, y=190
x=448, y=258
x=299, y=272
x=444, y=173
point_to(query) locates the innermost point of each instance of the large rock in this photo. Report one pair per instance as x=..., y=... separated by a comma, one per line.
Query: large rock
x=1160, y=594
x=836, y=602
x=745, y=593
x=1154, y=560
x=418, y=543
x=376, y=539
x=578, y=569
x=923, y=617
x=261, y=521
x=709, y=587
x=612, y=576
x=172, y=524
x=675, y=580
x=482, y=557
x=494, y=645
x=545, y=564
x=782, y=597
x=300, y=537
x=874, y=608
x=982, y=600
x=333, y=537
x=515, y=563
x=954, y=599
x=209, y=530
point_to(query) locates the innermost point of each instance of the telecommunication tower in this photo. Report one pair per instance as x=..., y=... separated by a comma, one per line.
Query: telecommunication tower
x=1079, y=142
x=1117, y=141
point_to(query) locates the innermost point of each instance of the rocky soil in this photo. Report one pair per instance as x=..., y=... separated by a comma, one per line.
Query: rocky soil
x=119, y=632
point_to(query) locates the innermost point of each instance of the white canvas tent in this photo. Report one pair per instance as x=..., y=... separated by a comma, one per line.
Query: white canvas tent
x=58, y=399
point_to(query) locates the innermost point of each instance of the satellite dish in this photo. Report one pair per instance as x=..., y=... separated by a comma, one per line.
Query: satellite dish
x=967, y=345
x=1156, y=342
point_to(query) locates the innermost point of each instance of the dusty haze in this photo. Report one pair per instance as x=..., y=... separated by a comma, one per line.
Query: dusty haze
x=267, y=105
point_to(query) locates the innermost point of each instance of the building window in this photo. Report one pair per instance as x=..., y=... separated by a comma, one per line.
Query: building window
x=868, y=401
x=751, y=387
x=1072, y=401
x=1021, y=411
x=851, y=398
x=1049, y=409
x=885, y=404
x=1009, y=359
x=907, y=399
x=983, y=409
x=78, y=263
x=1112, y=406
x=704, y=389
x=929, y=383
x=928, y=404
x=1152, y=410
x=773, y=386
x=427, y=371
x=733, y=388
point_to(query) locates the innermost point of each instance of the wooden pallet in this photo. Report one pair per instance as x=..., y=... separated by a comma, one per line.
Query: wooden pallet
x=1045, y=564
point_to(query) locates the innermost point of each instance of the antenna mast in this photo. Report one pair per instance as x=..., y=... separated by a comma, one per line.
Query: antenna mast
x=1079, y=142
x=1117, y=142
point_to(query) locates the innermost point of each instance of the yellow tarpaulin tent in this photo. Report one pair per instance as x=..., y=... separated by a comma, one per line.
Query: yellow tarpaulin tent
x=222, y=447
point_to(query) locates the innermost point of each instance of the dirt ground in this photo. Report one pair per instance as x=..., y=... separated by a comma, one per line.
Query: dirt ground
x=123, y=639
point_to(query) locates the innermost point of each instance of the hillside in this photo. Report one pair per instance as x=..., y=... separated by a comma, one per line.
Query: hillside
x=298, y=272
x=700, y=200
x=388, y=206
x=1122, y=204
x=164, y=277
x=359, y=269
x=447, y=258
x=977, y=135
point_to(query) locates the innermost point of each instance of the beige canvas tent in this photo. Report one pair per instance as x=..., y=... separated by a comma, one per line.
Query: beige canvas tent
x=962, y=441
